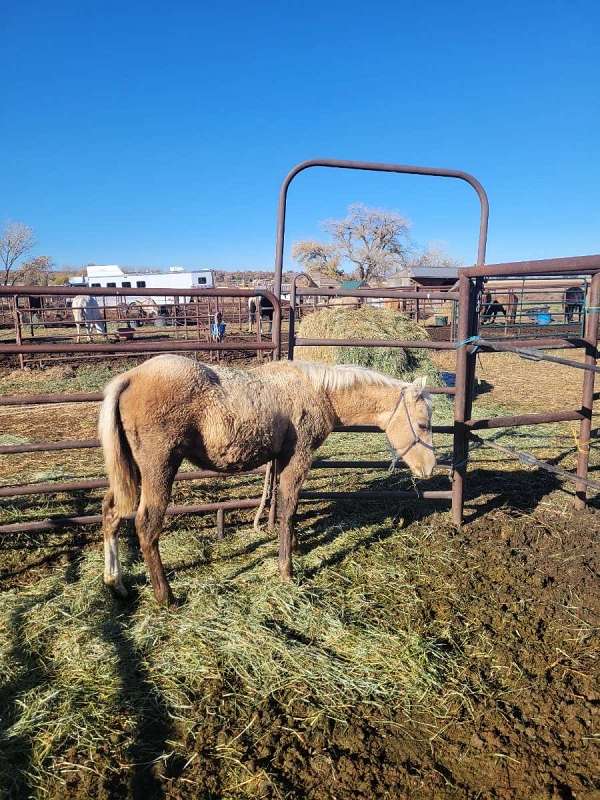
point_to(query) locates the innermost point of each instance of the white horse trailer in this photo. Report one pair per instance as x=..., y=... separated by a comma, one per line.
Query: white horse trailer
x=112, y=276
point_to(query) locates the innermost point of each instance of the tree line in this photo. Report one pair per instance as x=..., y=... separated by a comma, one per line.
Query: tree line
x=367, y=244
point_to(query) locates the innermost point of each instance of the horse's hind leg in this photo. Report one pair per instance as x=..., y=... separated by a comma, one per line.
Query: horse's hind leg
x=292, y=477
x=156, y=491
x=110, y=527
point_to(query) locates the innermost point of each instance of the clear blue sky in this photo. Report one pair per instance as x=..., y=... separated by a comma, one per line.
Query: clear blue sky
x=158, y=133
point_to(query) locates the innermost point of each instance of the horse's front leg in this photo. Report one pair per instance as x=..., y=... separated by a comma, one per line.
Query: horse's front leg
x=291, y=479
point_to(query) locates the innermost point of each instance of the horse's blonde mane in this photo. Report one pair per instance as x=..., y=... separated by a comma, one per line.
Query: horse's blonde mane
x=343, y=376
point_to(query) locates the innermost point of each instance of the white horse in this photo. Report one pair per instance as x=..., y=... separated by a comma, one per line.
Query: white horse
x=86, y=311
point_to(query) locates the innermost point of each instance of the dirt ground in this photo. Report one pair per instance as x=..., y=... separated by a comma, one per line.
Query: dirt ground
x=527, y=582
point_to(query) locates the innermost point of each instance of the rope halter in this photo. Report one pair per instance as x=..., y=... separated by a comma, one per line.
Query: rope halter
x=401, y=401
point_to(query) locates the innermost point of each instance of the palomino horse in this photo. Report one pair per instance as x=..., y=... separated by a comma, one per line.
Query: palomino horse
x=230, y=420
x=86, y=311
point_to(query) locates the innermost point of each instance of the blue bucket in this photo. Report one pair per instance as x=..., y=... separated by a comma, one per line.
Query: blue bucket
x=543, y=318
x=449, y=378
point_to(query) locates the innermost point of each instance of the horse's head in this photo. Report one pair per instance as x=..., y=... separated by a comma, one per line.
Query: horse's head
x=409, y=428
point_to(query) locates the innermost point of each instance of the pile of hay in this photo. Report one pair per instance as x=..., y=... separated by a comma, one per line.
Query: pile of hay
x=367, y=322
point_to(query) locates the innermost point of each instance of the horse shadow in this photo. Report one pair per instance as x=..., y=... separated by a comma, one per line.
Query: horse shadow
x=150, y=772
x=30, y=673
x=153, y=722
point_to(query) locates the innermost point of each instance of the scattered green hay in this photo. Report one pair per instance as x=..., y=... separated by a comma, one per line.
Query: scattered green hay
x=55, y=379
x=9, y=438
x=83, y=674
x=367, y=322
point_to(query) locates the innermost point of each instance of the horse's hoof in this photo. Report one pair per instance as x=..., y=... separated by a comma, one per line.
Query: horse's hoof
x=173, y=603
x=116, y=587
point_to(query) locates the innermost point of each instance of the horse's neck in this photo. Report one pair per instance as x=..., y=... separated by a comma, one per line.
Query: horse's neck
x=364, y=404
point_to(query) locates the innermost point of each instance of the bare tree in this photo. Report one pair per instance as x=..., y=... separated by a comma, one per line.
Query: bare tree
x=16, y=240
x=433, y=256
x=374, y=240
x=34, y=272
x=317, y=257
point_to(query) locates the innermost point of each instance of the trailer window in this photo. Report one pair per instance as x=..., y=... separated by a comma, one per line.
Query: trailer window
x=201, y=280
x=126, y=284
x=111, y=285
x=95, y=284
x=140, y=284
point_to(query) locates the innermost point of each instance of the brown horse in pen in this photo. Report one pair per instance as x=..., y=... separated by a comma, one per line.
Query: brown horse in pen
x=232, y=420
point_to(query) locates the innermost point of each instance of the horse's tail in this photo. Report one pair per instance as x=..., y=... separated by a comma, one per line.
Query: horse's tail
x=123, y=474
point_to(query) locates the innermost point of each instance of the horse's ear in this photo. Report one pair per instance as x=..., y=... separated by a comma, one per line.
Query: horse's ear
x=420, y=383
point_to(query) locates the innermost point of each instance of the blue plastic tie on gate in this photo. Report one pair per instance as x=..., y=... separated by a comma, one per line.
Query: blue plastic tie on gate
x=470, y=340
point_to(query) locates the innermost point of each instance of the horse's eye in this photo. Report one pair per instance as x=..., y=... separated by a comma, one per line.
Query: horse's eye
x=423, y=427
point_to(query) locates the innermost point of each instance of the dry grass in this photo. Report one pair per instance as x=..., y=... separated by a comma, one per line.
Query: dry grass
x=522, y=385
x=367, y=322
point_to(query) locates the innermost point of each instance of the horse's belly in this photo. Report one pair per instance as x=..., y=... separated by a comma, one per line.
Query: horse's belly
x=239, y=453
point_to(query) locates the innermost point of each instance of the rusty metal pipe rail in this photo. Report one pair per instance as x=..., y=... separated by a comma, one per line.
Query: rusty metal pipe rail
x=96, y=397
x=524, y=419
x=22, y=490
x=532, y=354
x=90, y=444
x=374, y=166
x=385, y=294
x=50, y=399
x=101, y=483
x=422, y=344
x=551, y=343
x=137, y=347
x=578, y=265
x=41, y=447
x=415, y=494
x=57, y=523
x=132, y=291
x=532, y=461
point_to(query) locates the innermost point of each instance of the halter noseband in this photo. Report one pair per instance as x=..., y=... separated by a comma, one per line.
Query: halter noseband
x=416, y=438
